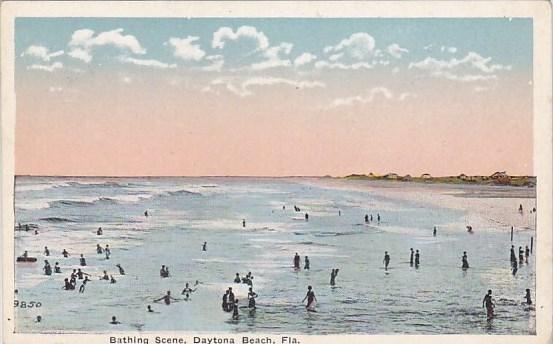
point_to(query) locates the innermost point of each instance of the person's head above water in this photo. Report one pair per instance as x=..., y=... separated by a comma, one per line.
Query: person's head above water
x=113, y=318
x=168, y=292
x=489, y=291
x=309, y=287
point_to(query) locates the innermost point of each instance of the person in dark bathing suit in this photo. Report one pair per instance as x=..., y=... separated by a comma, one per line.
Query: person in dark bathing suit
x=166, y=298
x=310, y=296
x=411, y=257
x=465, y=261
x=235, y=314
x=488, y=303
x=520, y=255
x=251, y=298
x=121, y=271
x=306, y=266
x=513, y=255
x=333, y=275
x=528, y=297
x=65, y=253
x=297, y=261
x=237, y=279
x=386, y=260
x=417, y=259
x=82, y=261
x=57, y=268
x=225, y=301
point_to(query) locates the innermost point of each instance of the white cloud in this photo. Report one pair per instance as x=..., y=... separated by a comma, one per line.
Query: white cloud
x=368, y=97
x=461, y=69
x=83, y=41
x=226, y=33
x=396, y=51
x=406, y=95
x=243, y=88
x=273, y=57
x=358, y=46
x=41, y=52
x=304, y=59
x=216, y=65
x=47, y=68
x=343, y=66
x=146, y=63
x=186, y=49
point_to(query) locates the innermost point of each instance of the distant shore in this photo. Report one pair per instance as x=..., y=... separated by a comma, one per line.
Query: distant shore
x=499, y=178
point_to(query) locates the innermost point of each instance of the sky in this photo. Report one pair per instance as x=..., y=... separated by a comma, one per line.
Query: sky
x=273, y=97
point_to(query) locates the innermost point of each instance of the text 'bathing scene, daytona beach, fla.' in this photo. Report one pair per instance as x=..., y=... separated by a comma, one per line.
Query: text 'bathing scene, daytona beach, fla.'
x=303, y=255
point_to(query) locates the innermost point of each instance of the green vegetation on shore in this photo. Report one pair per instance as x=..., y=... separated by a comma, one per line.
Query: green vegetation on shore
x=498, y=178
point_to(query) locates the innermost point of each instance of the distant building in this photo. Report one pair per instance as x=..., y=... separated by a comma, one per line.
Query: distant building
x=463, y=176
x=393, y=176
x=426, y=176
x=407, y=177
x=501, y=177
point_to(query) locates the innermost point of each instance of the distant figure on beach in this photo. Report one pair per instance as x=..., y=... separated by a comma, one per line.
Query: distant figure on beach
x=378, y=217
x=230, y=298
x=150, y=310
x=386, y=260
x=528, y=297
x=297, y=261
x=520, y=255
x=146, y=213
x=251, y=298
x=371, y=218
x=333, y=275
x=527, y=253
x=417, y=259
x=306, y=217
x=520, y=209
x=166, y=298
x=465, y=261
x=488, y=303
x=57, y=268
x=46, y=251
x=311, y=299
x=99, y=249
x=235, y=314
x=513, y=255
x=366, y=218
x=306, y=264
x=114, y=321
x=121, y=271
x=204, y=246
x=237, y=279
x=283, y=207
x=339, y=213
x=434, y=231
x=38, y=318
x=411, y=257
x=99, y=231
x=65, y=253
x=82, y=261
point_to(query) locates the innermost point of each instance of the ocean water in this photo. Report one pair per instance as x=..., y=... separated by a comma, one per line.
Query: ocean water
x=436, y=298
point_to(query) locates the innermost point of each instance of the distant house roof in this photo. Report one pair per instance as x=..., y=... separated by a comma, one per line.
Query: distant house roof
x=499, y=174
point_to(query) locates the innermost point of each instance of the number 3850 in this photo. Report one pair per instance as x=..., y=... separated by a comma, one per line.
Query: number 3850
x=24, y=304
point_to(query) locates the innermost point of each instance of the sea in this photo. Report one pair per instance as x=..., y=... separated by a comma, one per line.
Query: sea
x=438, y=297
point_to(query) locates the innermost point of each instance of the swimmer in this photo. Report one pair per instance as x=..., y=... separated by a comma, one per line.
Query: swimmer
x=225, y=301
x=204, y=246
x=237, y=278
x=121, y=271
x=306, y=217
x=65, y=253
x=166, y=298
x=306, y=265
x=57, y=268
x=99, y=231
x=527, y=253
x=46, y=251
x=112, y=280
x=520, y=255
x=366, y=218
x=80, y=274
x=187, y=289
x=47, y=268
x=68, y=285
x=99, y=249
x=146, y=213
x=162, y=272
x=513, y=255
x=235, y=310
x=81, y=288
x=105, y=277
x=434, y=231
x=82, y=261
x=244, y=223
x=114, y=321
x=150, y=310
x=386, y=260
x=297, y=261
x=310, y=297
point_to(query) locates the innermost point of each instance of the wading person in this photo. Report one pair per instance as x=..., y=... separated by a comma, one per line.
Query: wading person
x=488, y=303
x=386, y=260
x=311, y=299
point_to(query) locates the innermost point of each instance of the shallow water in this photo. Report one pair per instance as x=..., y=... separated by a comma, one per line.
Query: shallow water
x=436, y=298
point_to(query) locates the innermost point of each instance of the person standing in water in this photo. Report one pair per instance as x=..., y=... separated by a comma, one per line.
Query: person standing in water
x=434, y=231
x=333, y=275
x=306, y=217
x=82, y=261
x=297, y=261
x=114, y=321
x=225, y=301
x=204, y=246
x=99, y=249
x=527, y=253
x=515, y=267
x=146, y=213
x=46, y=251
x=378, y=217
x=386, y=260
x=121, y=271
x=310, y=297
x=366, y=218
x=235, y=314
x=520, y=255
x=57, y=268
x=306, y=266
x=411, y=257
x=417, y=259
x=244, y=223
x=166, y=298
x=251, y=298
x=528, y=297
x=465, y=261
x=513, y=255
x=488, y=303
x=81, y=288
x=99, y=231
x=237, y=279
x=65, y=253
